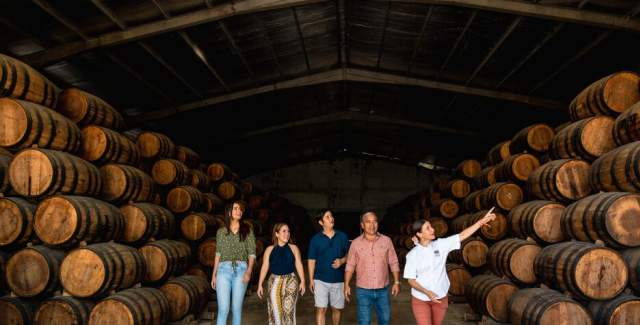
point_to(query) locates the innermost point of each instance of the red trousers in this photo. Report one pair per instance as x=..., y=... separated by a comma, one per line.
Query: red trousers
x=429, y=313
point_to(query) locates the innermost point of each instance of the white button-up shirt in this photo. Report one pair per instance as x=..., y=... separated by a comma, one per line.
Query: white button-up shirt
x=428, y=266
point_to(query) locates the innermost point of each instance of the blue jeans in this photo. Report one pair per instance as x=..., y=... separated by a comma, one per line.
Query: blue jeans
x=368, y=298
x=230, y=291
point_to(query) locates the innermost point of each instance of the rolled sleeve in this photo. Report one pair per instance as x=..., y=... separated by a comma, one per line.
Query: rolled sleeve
x=393, y=258
x=352, y=260
x=251, y=244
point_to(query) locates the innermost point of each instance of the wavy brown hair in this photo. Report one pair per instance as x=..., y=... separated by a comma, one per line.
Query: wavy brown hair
x=276, y=229
x=244, y=227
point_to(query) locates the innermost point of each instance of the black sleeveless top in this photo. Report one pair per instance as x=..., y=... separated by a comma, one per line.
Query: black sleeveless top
x=281, y=260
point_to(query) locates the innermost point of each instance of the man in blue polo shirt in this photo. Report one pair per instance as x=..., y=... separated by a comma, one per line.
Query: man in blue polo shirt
x=327, y=256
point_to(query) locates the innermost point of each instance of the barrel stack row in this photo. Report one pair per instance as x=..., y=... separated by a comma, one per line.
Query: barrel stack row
x=570, y=253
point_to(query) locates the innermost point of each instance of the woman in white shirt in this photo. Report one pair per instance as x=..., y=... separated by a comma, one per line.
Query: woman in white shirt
x=426, y=269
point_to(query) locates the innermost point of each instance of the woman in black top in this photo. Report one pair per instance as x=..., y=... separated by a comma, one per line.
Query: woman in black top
x=280, y=259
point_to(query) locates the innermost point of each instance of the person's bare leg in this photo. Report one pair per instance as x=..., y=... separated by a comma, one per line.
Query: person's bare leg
x=335, y=316
x=320, y=316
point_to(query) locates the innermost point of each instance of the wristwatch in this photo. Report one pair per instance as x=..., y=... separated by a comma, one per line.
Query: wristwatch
x=397, y=282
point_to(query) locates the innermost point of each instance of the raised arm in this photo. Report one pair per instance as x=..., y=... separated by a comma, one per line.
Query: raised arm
x=473, y=228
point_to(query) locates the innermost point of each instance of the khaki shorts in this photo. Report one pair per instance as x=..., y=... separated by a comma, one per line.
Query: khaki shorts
x=326, y=294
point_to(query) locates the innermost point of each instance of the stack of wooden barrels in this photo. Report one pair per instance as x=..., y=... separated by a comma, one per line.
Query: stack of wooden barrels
x=98, y=226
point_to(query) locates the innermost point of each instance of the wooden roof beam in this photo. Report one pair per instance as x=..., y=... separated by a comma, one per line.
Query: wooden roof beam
x=301, y=38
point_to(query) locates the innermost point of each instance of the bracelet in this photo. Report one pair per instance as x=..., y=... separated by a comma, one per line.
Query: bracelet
x=397, y=282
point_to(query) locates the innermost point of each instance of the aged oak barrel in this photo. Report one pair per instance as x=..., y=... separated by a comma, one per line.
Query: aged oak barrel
x=489, y=295
x=85, y=109
x=533, y=139
x=472, y=253
x=16, y=222
x=440, y=226
x=146, y=221
x=3, y=270
x=188, y=157
x=198, y=270
x=610, y=217
x=514, y=258
x=495, y=230
x=187, y=294
x=16, y=311
x=97, y=269
x=170, y=172
x=538, y=306
x=563, y=180
x=626, y=128
x=19, y=80
x=458, y=278
x=504, y=196
x=184, y=199
x=198, y=225
x=469, y=168
x=539, y=220
x=213, y=204
x=447, y=208
x=229, y=191
x=587, y=271
x=139, y=306
x=610, y=95
x=471, y=203
x=487, y=177
x=165, y=258
x=199, y=180
x=499, y=152
x=516, y=168
x=621, y=310
x=207, y=252
x=632, y=258
x=155, y=145
x=586, y=139
x=63, y=310
x=617, y=170
x=43, y=172
x=102, y=146
x=25, y=125
x=455, y=188
x=123, y=184
x=33, y=271
x=218, y=172
x=65, y=221
x=5, y=162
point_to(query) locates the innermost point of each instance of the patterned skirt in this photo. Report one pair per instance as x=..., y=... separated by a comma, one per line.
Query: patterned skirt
x=283, y=295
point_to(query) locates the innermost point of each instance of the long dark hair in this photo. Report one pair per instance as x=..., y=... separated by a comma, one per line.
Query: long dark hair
x=244, y=227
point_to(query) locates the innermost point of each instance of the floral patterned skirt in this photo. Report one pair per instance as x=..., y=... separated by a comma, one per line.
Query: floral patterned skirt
x=283, y=295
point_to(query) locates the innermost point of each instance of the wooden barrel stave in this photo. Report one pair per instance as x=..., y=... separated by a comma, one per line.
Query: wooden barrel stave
x=608, y=96
x=63, y=310
x=563, y=180
x=586, y=139
x=146, y=221
x=123, y=184
x=546, y=306
x=184, y=199
x=539, y=220
x=16, y=222
x=18, y=80
x=155, y=145
x=86, y=109
x=165, y=258
x=139, y=306
x=103, y=146
x=33, y=271
x=489, y=295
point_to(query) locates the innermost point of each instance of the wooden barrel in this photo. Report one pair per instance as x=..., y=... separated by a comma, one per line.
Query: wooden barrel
x=587, y=271
x=139, y=306
x=586, y=139
x=516, y=168
x=184, y=199
x=16, y=311
x=255, y=201
x=85, y=109
x=617, y=170
x=471, y=203
x=495, y=230
x=229, y=191
x=624, y=309
x=632, y=258
x=146, y=221
x=155, y=145
x=3, y=272
x=533, y=139
x=207, y=252
x=262, y=214
x=626, y=128
x=469, y=168
x=610, y=95
x=504, y=196
x=123, y=184
x=65, y=221
x=170, y=172
x=539, y=220
x=33, y=271
x=188, y=157
x=563, y=180
x=212, y=203
x=199, y=180
x=25, y=125
x=487, y=177
x=19, y=80
x=187, y=294
x=609, y=217
x=63, y=310
x=455, y=188
x=247, y=188
x=5, y=162
x=458, y=277
x=16, y=222
x=538, y=306
x=42, y=172
x=499, y=152
x=97, y=269
x=489, y=295
x=440, y=226
x=198, y=270
x=165, y=258
x=513, y=258
x=447, y=208
x=197, y=225
x=102, y=146
x=218, y=172
x=472, y=253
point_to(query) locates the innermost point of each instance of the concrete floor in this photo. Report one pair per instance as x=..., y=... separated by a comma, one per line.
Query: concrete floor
x=255, y=311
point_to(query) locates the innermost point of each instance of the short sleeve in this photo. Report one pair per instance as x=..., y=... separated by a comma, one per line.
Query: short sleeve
x=450, y=243
x=410, y=268
x=313, y=249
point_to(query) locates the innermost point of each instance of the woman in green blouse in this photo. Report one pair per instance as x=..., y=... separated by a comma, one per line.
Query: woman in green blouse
x=235, y=255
